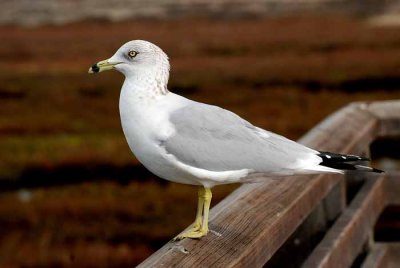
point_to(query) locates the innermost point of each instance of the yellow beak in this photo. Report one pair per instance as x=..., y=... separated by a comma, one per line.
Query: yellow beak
x=101, y=66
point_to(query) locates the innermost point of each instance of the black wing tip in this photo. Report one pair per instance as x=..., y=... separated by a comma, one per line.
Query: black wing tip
x=368, y=169
x=345, y=162
x=334, y=157
x=362, y=158
x=375, y=170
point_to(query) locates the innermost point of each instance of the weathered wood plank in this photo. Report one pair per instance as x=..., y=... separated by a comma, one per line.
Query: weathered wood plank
x=335, y=202
x=393, y=188
x=307, y=236
x=250, y=217
x=378, y=257
x=256, y=219
x=345, y=239
x=388, y=113
x=394, y=255
x=383, y=255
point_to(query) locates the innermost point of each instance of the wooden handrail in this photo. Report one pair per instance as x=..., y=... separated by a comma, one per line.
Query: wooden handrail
x=252, y=223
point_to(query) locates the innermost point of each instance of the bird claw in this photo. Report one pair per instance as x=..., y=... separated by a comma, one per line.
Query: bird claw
x=195, y=234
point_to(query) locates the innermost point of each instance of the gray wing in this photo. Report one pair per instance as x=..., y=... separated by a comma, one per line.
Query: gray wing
x=211, y=138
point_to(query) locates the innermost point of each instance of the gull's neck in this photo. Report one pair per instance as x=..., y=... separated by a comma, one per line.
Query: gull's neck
x=147, y=83
x=142, y=91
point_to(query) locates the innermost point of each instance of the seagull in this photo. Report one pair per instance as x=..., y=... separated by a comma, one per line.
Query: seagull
x=189, y=142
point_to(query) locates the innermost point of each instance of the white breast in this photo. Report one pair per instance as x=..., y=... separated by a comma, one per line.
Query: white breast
x=145, y=123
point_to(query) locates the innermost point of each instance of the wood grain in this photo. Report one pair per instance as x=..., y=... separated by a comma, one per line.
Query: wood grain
x=393, y=188
x=378, y=257
x=344, y=241
x=383, y=255
x=388, y=114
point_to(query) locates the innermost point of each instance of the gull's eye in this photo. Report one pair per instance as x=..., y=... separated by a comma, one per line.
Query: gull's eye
x=132, y=54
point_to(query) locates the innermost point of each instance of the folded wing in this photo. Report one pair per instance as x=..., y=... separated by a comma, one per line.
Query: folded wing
x=214, y=139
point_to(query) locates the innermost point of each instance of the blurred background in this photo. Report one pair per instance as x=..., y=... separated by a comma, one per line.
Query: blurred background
x=70, y=190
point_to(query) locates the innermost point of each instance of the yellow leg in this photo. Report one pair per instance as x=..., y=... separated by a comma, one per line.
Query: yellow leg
x=199, y=215
x=200, y=226
x=206, y=210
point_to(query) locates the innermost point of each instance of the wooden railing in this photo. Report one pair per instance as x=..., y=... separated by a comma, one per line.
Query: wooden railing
x=309, y=221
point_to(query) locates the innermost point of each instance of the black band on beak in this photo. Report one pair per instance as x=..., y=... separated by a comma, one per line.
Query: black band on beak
x=95, y=68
